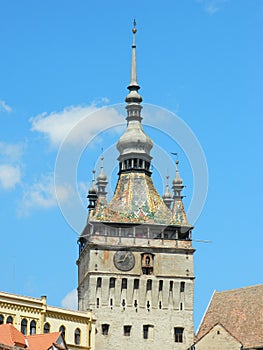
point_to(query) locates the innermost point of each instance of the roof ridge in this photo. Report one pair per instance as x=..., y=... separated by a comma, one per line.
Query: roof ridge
x=239, y=289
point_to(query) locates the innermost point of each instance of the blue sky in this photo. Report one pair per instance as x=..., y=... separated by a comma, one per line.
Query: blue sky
x=62, y=60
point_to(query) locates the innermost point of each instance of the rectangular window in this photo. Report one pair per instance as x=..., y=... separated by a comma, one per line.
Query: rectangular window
x=105, y=329
x=126, y=331
x=99, y=282
x=136, y=283
x=171, y=286
x=98, y=302
x=124, y=283
x=182, y=287
x=160, y=285
x=178, y=334
x=149, y=285
x=145, y=331
x=112, y=282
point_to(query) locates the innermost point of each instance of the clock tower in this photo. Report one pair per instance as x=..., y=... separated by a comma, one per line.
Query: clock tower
x=135, y=266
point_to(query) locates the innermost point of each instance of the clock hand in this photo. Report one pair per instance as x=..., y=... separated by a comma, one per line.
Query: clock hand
x=125, y=257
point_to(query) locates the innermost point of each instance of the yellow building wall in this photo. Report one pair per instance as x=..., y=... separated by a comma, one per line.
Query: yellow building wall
x=34, y=309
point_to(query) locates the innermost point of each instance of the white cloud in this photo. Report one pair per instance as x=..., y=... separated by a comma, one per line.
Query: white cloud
x=4, y=107
x=42, y=195
x=57, y=125
x=212, y=6
x=10, y=176
x=70, y=301
x=12, y=152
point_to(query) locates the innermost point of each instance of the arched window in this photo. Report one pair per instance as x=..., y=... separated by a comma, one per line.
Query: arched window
x=46, y=327
x=24, y=326
x=77, y=336
x=33, y=327
x=1, y=319
x=9, y=319
x=62, y=329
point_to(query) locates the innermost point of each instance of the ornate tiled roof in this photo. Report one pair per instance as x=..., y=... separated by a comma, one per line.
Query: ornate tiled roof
x=240, y=311
x=135, y=201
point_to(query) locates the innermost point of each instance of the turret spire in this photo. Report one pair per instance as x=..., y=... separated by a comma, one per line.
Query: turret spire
x=167, y=197
x=92, y=195
x=178, y=211
x=102, y=181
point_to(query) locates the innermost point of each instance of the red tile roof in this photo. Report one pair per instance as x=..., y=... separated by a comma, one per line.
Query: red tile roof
x=240, y=311
x=43, y=341
x=9, y=335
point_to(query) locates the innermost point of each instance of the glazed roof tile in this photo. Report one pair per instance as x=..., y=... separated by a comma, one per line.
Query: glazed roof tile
x=135, y=201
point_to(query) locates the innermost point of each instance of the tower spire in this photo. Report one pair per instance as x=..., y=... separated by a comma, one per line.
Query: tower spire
x=134, y=145
x=133, y=95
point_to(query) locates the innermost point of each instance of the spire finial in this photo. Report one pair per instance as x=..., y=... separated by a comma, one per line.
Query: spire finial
x=133, y=81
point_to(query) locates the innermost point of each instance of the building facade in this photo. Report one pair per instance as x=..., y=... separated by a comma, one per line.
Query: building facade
x=233, y=320
x=33, y=316
x=135, y=266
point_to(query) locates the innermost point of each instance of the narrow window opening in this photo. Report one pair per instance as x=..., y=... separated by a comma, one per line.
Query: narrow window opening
x=182, y=287
x=99, y=282
x=181, y=306
x=160, y=285
x=77, y=336
x=112, y=282
x=171, y=286
x=148, y=305
x=33, y=327
x=149, y=285
x=24, y=326
x=136, y=283
x=126, y=331
x=105, y=329
x=46, y=327
x=145, y=332
x=1, y=319
x=124, y=283
x=111, y=301
x=98, y=302
x=160, y=304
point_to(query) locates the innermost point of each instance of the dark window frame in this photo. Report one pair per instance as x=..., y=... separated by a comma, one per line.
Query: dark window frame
x=33, y=327
x=24, y=323
x=127, y=330
x=105, y=329
x=178, y=334
x=77, y=336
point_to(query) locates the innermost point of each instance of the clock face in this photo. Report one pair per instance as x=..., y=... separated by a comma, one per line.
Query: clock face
x=124, y=260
